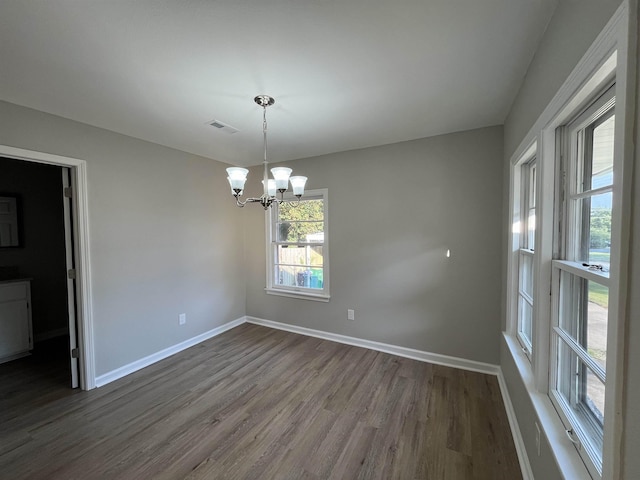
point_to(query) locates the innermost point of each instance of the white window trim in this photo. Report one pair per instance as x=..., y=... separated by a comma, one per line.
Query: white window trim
x=517, y=232
x=271, y=289
x=611, y=54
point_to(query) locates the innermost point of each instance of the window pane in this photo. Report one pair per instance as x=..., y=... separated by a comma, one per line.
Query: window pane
x=584, y=310
x=300, y=232
x=304, y=210
x=597, y=319
x=595, y=396
x=531, y=229
x=304, y=256
x=525, y=314
x=602, y=167
x=600, y=229
x=567, y=367
x=532, y=186
x=526, y=274
x=290, y=276
x=529, y=203
x=582, y=391
x=594, y=216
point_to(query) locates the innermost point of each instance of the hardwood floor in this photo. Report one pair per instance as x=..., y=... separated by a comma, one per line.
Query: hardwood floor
x=44, y=375
x=257, y=403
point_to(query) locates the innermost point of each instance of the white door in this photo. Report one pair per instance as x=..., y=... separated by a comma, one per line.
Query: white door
x=71, y=287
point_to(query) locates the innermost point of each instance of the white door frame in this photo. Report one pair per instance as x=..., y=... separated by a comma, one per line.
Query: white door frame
x=80, y=213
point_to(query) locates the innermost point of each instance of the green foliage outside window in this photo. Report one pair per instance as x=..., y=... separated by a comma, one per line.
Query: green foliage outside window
x=296, y=221
x=600, y=228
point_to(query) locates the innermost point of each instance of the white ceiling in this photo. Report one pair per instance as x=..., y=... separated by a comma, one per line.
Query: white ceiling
x=346, y=74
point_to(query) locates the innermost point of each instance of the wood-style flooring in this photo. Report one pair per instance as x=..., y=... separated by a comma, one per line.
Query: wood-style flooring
x=258, y=403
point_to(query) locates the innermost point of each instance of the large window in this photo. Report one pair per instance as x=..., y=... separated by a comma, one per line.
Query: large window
x=298, y=248
x=526, y=255
x=567, y=271
x=581, y=278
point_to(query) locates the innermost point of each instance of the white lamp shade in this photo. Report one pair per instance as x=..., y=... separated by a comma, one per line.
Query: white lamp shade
x=271, y=187
x=237, y=177
x=232, y=191
x=297, y=183
x=281, y=175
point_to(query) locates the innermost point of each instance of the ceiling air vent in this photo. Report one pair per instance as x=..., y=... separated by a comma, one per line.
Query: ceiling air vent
x=223, y=127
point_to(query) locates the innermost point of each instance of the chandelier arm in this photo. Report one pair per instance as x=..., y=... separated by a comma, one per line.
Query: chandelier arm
x=240, y=203
x=281, y=200
x=294, y=203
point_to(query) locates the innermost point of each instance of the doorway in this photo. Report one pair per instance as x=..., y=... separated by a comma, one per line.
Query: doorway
x=37, y=303
x=76, y=335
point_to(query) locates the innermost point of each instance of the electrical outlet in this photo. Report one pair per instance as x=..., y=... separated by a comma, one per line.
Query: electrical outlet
x=351, y=315
x=182, y=318
x=537, y=437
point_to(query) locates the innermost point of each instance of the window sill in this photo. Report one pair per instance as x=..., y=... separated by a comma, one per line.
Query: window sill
x=300, y=295
x=565, y=455
x=579, y=269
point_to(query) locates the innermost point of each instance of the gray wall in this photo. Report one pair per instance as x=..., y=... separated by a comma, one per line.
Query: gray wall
x=165, y=238
x=393, y=213
x=41, y=255
x=572, y=30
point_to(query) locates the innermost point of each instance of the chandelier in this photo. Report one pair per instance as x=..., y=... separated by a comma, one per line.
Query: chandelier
x=281, y=175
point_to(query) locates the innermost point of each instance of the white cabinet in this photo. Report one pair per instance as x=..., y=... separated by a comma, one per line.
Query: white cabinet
x=16, y=335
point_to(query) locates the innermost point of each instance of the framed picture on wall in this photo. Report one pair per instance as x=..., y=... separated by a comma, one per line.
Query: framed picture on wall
x=9, y=221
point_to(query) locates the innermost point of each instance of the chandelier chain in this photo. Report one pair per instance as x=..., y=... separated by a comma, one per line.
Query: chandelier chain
x=264, y=135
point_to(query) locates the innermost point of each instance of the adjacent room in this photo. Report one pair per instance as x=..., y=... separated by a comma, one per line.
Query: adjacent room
x=316, y=239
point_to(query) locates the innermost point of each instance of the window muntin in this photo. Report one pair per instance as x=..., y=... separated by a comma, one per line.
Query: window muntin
x=582, y=278
x=298, y=249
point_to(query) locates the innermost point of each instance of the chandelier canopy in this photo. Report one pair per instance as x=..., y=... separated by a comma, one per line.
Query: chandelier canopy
x=281, y=175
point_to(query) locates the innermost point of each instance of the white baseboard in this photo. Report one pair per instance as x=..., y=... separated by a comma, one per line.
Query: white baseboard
x=420, y=355
x=59, y=332
x=113, y=375
x=523, y=458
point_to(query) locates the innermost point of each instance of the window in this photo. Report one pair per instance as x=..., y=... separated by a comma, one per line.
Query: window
x=526, y=255
x=581, y=278
x=298, y=248
x=575, y=372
